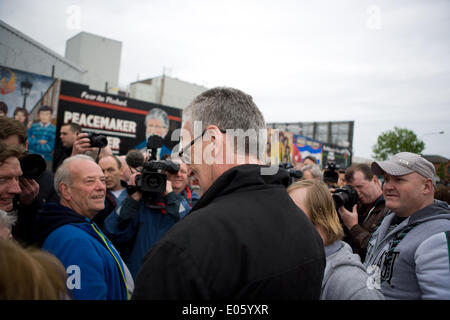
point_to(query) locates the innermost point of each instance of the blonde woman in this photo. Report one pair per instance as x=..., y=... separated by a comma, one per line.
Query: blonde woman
x=345, y=277
x=30, y=274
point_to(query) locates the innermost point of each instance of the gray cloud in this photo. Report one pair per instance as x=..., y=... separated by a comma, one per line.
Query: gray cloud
x=380, y=63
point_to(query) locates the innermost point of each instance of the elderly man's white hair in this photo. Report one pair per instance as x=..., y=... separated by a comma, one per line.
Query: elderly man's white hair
x=158, y=114
x=315, y=171
x=62, y=174
x=7, y=220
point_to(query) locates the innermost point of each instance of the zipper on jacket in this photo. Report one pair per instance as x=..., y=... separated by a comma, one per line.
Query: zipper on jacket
x=118, y=264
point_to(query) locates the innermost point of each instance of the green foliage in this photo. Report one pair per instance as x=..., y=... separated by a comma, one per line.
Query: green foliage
x=395, y=141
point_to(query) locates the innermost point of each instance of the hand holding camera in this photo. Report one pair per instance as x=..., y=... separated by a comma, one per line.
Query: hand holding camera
x=32, y=166
x=30, y=190
x=349, y=218
x=133, y=190
x=346, y=200
x=81, y=144
x=88, y=142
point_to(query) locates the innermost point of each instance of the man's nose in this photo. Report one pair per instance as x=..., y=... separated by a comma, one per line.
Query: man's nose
x=15, y=187
x=100, y=185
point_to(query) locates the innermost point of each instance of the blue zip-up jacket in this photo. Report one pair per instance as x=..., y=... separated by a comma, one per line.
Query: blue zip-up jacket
x=140, y=227
x=94, y=268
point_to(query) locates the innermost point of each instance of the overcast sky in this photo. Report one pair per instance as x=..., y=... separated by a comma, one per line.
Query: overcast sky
x=379, y=63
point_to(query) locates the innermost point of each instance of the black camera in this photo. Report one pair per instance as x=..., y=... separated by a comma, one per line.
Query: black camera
x=345, y=196
x=331, y=175
x=32, y=165
x=152, y=181
x=97, y=140
x=294, y=175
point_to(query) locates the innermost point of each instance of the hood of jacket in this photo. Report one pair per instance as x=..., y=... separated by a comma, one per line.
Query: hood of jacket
x=239, y=178
x=437, y=210
x=340, y=254
x=52, y=216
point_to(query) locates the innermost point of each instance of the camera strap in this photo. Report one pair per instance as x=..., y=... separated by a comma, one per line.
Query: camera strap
x=189, y=196
x=98, y=155
x=162, y=207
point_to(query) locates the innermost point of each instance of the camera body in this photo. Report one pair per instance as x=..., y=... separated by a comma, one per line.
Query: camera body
x=345, y=196
x=97, y=140
x=32, y=165
x=294, y=175
x=330, y=174
x=152, y=180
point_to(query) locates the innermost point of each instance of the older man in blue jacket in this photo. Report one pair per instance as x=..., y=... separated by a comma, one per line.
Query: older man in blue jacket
x=94, y=267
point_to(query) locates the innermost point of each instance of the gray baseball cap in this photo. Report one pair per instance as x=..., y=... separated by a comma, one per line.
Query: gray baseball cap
x=405, y=163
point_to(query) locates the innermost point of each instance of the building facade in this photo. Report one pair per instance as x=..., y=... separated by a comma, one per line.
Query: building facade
x=98, y=55
x=19, y=51
x=166, y=90
x=442, y=166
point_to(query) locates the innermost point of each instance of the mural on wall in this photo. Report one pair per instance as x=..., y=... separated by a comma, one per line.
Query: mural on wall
x=31, y=99
x=289, y=148
x=23, y=92
x=125, y=122
x=304, y=146
x=43, y=104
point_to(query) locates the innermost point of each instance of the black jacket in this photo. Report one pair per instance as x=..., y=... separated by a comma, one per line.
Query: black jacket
x=61, y=154
x=244, y=239
x=47, y=191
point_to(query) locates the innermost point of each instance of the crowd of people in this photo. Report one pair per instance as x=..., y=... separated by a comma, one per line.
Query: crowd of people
x=85, y=229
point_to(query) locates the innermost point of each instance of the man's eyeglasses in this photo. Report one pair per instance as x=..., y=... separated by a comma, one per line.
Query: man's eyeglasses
x=184, y=155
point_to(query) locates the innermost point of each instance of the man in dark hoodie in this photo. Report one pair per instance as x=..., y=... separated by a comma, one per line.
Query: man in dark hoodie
x=94, y=267
x=408, y=254
x=245, y=238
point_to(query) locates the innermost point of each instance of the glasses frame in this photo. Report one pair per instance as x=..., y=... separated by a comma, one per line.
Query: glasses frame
x=189, y=145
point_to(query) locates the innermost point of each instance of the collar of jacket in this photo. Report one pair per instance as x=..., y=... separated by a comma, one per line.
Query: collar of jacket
x=436, y=210
x=241, y=178
x=52, y=216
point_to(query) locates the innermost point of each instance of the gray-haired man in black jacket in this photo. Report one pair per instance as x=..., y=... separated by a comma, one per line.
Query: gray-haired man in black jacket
x=245, y=238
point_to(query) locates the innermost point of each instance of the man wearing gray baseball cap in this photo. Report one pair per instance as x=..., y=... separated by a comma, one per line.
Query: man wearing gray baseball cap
x=409, y=251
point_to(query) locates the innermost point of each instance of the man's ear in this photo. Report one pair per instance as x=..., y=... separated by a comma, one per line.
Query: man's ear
x=428, y=187
x=216, y=138
x=376, y=180
x=65, y=191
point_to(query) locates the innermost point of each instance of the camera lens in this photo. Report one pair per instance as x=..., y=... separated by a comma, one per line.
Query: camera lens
x=339, y=200
x=153, y=181
x=32, y=165
x=98, y=141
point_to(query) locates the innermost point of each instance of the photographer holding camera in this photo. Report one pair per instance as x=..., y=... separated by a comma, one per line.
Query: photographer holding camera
x=91, y=144
x=35, y=182
x=159, y=196
x=362, y=220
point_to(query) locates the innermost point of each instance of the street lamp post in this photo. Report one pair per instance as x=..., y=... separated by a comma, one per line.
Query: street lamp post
x=25, y=87
x=432, y=133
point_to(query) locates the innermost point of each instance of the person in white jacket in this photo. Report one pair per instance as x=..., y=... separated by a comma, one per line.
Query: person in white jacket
x=345, y=277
